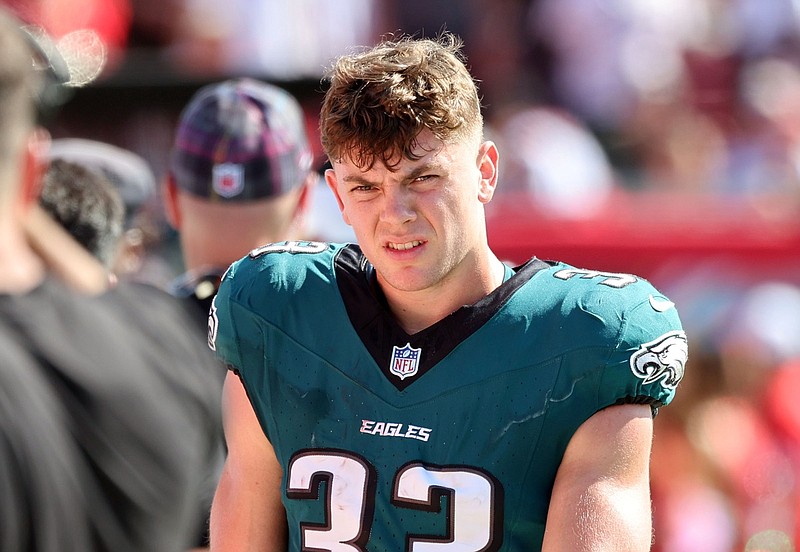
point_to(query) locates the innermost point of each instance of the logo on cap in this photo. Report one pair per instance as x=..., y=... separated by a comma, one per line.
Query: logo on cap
x=227, y=179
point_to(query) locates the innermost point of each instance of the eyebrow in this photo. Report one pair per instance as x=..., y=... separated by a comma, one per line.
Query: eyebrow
x=422, y=169
x=355, y=179
x=412, y=174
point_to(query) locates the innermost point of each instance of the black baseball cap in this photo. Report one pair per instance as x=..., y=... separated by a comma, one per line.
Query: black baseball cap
x=240, y=140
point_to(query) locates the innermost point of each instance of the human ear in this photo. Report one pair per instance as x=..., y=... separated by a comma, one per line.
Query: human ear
x=172, y=210
x=488, y=157
x=330, y=179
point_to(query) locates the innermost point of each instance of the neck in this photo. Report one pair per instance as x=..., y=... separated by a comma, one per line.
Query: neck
x=202, y=250
x=22, y=270
x=418, y=310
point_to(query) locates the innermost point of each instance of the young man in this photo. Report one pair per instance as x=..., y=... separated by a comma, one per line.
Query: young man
x=109, y=410
x=239, y=177
x=412, y=392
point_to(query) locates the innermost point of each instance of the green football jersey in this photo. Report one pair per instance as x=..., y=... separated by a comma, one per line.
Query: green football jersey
x=448, y=439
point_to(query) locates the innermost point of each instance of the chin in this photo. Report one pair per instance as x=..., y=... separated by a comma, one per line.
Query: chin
x=408, y=280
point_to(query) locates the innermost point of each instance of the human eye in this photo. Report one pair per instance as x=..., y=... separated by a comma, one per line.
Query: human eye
x=426, y=181
x=425, y=175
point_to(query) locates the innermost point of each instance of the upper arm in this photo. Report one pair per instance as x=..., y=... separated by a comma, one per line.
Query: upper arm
x=601, y=496
x=247, y=513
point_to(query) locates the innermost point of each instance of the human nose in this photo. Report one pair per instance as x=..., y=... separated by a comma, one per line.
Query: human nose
x=398, y=207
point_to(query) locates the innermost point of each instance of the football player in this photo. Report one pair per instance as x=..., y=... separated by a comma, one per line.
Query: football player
x=412, y=392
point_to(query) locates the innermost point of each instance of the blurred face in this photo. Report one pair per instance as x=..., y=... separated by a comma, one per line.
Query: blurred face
x=422, y=223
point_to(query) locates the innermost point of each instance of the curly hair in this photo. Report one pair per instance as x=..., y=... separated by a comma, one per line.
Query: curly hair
x=380, y=100
x=87, y=205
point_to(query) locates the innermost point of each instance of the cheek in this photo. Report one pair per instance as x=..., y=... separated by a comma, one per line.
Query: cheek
x=359, y=219
x=354, y=213
x=461, y=218
x=458, y=207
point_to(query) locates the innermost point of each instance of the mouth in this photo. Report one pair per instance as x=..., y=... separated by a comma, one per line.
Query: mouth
x=404, y=246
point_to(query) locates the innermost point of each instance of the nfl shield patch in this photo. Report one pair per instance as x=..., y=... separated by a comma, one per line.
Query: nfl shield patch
x=405, y=361
x=227, y=179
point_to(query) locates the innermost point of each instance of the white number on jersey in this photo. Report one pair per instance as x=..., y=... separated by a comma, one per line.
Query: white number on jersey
x=351, y=486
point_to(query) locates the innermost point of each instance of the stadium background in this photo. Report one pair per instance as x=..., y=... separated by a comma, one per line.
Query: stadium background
x=657, y=138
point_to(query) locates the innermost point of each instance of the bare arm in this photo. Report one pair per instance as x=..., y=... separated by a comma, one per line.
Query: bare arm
x=247, y=513
x=601, y=497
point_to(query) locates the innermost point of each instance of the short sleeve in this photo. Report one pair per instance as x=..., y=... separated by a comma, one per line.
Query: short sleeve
x=648, y=362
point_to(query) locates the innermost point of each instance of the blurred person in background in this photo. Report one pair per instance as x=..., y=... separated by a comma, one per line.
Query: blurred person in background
x=284, y=40
x=134, y=182
x=88, y=207
x=239, y=177
x=725, y=464
x=551, y=156
x=109, y=407
x=678, y=91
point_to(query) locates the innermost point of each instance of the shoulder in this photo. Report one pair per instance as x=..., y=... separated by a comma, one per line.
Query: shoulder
x=619, y=299
x=284, y=266
x=273, y=275
x=587, y=296
x=164, y=331
x=256, y=288
x=635, y=327
x=588, y=287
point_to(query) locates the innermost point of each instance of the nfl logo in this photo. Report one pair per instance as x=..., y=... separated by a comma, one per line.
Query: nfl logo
x=227, y=179
x=405, y=361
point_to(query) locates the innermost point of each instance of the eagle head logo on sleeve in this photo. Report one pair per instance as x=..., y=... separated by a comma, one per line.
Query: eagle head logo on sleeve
x=663, y=358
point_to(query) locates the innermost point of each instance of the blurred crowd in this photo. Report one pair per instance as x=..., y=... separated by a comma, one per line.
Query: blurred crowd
x=697, y=96
x=587, y=99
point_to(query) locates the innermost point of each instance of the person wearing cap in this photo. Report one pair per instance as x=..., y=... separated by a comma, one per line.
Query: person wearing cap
x=239, y=177
x=135, y=182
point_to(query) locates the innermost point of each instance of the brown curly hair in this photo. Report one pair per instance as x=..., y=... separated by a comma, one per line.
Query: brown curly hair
x=380, y=100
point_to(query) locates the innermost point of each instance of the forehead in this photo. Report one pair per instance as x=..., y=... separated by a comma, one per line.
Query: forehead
x=429, y=150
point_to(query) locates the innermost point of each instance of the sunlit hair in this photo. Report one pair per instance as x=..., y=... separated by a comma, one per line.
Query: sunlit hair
x=87, y=205
x=380, y=100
